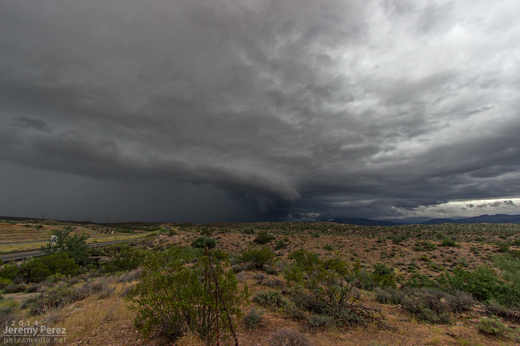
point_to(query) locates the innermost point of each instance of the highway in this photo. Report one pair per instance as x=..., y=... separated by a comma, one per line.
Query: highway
x=33, y=253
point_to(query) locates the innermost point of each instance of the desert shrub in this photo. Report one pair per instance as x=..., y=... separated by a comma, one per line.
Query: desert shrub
x=61, y=263
x=189, y=339
x=484, y=285
x=101, y=288
x=328, y=247
x=274, y=300
x=289, y=337
x=269, y=281
x=9, y=271
x=317, y=321
x=308, y=302
x=219, y=255
x=493, y=326
x=173, y=298
x=495, y=309
x=430, y=316
x=14, y=288
x=253, y=318
x=293, y=273
x=270, y=270
x=420, y=281
x=280, y=244
x=130, y=276
x=398, y=239
x=172, y=232
x=123, y=257
x=362, y=279
x=424, y=246
x=188, y=253
x=249, y=230
x=341, y=299
x=34, y=270
x=38, y=269
x=206, y=232
x=258, y=258
x=53, y=298
x=338, y=265
x=305, y=259
x=73, y=245
x=204, y=241
x=510, y=267
x=460, y=301
x=7, y=312
x=447, y=241
x=237, y=268
x=429, y=305
x=32, y=288
x=384, y=276
x=390, y=296
x=263, y=238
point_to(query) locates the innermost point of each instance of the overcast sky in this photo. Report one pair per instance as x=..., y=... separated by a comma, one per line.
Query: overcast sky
x=221, y=110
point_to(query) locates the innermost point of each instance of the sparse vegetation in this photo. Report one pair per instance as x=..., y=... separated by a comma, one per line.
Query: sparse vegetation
x=438, y=275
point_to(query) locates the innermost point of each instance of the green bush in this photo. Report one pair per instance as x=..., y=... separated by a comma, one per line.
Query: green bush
x=280, y=244
x=10, y=271
x=446, y=241
x=493, y=326
x=258, y=258
x=204, y=241
x=38, y=269
x=273, y=300
x=484, y=285
x=384, y=276
x=317, y=320
x=398, y=239
x=294, y=273
x=14, y=288
x=339, y=299
x=328, y=247
x=263, y=238
x=123, y=257
x=253, y=318
x=424, y=246
x=338, y=265
x=249, y=230
x=206, y=232
x=429, y=305
x=510, y=267
x=173, y=298
x=305, y=259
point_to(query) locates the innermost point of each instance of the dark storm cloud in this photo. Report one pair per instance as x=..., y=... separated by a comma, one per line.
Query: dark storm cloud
x=292, y=108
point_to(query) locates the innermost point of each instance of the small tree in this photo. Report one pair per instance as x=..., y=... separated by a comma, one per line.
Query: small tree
x=174, y=298
x=75, y=246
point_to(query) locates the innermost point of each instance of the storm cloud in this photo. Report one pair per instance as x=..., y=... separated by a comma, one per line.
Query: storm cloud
x=250, y=110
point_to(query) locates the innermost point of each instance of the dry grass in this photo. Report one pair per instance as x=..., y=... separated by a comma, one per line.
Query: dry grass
x=38, y=235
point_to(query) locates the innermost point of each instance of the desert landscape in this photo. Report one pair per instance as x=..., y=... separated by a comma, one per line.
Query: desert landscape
x=312, y=283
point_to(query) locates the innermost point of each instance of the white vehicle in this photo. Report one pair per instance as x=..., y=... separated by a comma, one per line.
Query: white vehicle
x=54, y=239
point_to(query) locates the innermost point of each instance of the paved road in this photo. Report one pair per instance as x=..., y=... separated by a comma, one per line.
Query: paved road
x=33, y=253
x=47, y=240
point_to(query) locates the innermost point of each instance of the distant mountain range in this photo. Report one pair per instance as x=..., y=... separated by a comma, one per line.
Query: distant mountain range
x=498, y=218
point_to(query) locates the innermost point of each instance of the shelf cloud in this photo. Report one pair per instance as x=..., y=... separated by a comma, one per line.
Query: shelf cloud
x=257, y=110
